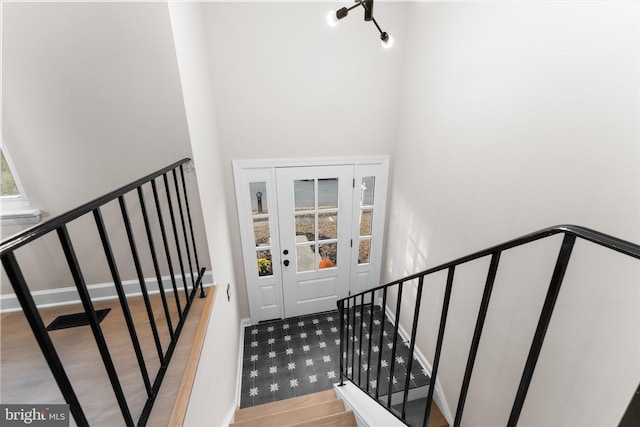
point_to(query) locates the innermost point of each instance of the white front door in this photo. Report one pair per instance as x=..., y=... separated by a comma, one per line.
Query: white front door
x=311, y=231
x=315, y=217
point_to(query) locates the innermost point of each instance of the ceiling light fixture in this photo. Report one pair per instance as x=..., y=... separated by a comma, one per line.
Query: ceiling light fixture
x=333, y=18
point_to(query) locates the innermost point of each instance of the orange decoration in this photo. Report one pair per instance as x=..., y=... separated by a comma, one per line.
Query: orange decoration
x=325, y=263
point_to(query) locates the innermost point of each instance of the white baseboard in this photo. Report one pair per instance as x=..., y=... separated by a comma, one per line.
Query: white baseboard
x=243, y=324
x=98, y=292
x=438, y=396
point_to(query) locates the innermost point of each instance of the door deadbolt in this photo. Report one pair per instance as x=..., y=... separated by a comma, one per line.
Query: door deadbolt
x=286, y=252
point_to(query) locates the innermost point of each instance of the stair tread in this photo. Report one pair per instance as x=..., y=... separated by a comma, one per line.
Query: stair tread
x=343, y=419
x=283, y=405
x=294, y=415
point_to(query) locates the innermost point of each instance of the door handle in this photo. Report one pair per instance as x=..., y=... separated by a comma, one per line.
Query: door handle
x=286, y=262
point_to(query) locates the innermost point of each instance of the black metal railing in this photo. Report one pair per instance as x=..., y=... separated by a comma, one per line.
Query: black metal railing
x=183, y=245
x=352, y=346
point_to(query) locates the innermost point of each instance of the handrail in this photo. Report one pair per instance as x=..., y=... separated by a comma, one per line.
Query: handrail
x=602, y=239
x=195, y=272
x=18, y=240
x=349, y=306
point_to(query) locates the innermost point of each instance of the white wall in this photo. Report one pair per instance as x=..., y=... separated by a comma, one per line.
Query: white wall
x=286, y=85
x=501, y=118
x=91, y=100
x=213, y=394
x=516, y=116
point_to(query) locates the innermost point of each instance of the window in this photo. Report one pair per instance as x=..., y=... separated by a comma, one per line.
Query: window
x=15, y=208
x=8, y=184
x=367, y=190
x=262, y=233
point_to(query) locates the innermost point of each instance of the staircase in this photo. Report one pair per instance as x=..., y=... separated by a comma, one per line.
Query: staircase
x=312, y=410
x=391, y=386
x=366, y=387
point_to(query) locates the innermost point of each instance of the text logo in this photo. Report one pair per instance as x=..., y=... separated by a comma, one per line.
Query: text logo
x=34, y=415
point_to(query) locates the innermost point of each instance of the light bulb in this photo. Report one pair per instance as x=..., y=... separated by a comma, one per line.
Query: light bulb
x=332, y=19
x=387, y=41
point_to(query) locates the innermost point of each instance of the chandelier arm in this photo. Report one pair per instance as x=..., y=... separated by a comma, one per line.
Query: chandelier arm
x=377, y=26
x=360, y=3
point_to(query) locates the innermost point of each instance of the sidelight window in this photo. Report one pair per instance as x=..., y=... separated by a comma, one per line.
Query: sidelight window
x=261, y=229
x=16, y=208
x=367, y=190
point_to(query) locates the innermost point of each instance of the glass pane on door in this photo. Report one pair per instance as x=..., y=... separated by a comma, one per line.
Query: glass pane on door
x=328, y=193
x=366, y=215
x=367, y=189
x=364, y=251
x=305, y=258
x=258, y=192
x=305, y=228
x=328, y=226
x=328, y=255
x=304, y=192
x=261, y=231
x=264, y=263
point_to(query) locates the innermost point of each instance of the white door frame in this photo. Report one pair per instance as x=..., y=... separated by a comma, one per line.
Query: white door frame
x=265, y=292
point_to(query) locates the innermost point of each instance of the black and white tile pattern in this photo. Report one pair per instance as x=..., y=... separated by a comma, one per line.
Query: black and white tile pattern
x=297, y=356
x=289, y=358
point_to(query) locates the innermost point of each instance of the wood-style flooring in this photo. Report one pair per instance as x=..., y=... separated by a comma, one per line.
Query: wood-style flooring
x=26, y=378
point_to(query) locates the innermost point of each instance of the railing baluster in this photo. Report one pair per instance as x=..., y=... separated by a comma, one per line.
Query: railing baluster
x=81, y=286
x=436, y=358
x=186, y=203
x=630, y=417
x=353, y=339
x=154, y=259
x=412, y=343
x=381, y=337
x=395, y=343
x=360, y=346
x=31, y=313
x=167, y=251
x=143, y=286
x=341, y=308
x=345, y=356
x=475, y=343
x=102, y=231
x=184, y=229
x=370, y=342
x=543, y=323
x=175, y=235
x=193, y=239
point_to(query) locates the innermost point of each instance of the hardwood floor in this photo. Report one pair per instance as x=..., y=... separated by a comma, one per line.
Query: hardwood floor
x=25, y=376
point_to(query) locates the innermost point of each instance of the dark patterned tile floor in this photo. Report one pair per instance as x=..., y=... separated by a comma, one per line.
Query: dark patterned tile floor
x=297, y=356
